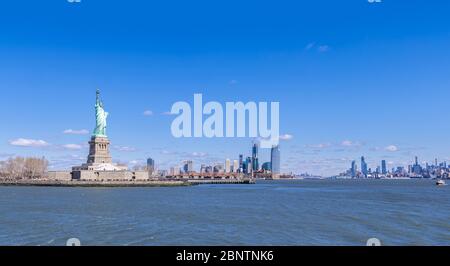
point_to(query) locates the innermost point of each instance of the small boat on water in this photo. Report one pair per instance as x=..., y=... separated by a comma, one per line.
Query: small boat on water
x=441, y=183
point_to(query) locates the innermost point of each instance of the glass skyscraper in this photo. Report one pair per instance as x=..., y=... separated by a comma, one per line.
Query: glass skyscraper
x=150, y=165
x=364, y=170
x=275, y=160
x=255, y=161
x=383, y=167
x=354, y=169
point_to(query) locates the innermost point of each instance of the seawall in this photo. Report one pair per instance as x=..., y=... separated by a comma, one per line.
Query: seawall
x=136, y=183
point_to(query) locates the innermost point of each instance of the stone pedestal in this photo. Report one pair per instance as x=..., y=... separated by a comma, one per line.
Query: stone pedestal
x=99, y=151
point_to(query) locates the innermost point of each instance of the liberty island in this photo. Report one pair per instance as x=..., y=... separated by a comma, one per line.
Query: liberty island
x=99, y=169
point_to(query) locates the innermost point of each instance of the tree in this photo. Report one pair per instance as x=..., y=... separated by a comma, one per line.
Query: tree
x=24, y=168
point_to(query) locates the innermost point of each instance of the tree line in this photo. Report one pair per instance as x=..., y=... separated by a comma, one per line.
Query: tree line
x=24, y=168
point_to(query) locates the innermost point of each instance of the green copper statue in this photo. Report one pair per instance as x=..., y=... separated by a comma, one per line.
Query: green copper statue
x=100, y=116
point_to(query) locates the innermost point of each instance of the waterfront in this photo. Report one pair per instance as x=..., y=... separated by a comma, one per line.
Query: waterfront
x=301, y=212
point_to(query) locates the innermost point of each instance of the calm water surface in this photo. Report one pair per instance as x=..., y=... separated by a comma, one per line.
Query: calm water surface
x=323, y=212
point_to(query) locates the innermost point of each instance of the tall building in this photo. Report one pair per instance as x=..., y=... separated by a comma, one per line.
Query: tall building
x=227, y=166
x=364, y=169
x=188, y=167
x=275, y=162
x=235, y=166
x=241, y=161
x=383, y=167
x=255, y=162
x=174, y=171
x=218, y=168
x=203, y=169
x=244, y=167
x=378, y=170
x=150, y=165
x=417, y=169
x=248, y=163
x=354, y=169
x=209, y=169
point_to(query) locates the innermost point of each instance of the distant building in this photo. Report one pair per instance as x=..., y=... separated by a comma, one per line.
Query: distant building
x=417, y=169
x=227, y=166
x=236, y=166
x=354, y=169
x=150, y=165
x=248, y=163
x=188, y=167
x=218, y=169
x=241, y=161
x=383, y=167
x=255, y=162
x=202, y=169
x=208, y=169
x=267, y=167
x=364, y=169
x=275, y=162
x=174, y=171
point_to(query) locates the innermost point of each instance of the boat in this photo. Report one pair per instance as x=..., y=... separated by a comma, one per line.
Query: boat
x=441, y=183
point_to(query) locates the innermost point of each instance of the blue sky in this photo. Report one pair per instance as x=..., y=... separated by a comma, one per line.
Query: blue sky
x=352, y=78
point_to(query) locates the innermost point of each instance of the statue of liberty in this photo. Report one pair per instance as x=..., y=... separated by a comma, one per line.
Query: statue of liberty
x=100, y=118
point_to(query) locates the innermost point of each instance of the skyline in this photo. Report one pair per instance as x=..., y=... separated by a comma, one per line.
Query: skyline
x=375, y=84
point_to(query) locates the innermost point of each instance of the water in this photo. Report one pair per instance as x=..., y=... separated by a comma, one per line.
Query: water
x=322, y=212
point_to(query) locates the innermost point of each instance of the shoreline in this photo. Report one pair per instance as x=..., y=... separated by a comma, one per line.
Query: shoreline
x=118, y=184
x=53, y=183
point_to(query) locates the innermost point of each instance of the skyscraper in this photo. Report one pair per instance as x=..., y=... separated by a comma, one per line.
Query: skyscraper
x=383, y=167
x=417, y=169
x=188, y=166
x=275, y=160
x=218, y=168
x=235, y=166
x=248, y=164
x=364, y=167
x=241, y=161
x=354, y=169
x=203, y=169
x=255, y=162
x=150, y=165
x=227, y=166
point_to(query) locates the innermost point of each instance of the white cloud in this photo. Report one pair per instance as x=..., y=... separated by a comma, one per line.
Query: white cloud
x=391, y=148
x=76, y=132
x=148, y=113
x=319, y=146
x=28, y=143
x=322, y=48
x=349, y=143
x=125, y=148
x=286, y=137
x=199, y=154
x=166, y=152
x=72, y=147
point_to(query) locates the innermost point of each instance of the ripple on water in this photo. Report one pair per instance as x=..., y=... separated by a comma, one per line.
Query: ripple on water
x=299, y=212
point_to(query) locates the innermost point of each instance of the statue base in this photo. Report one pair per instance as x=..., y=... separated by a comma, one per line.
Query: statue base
x=99, y=151
x=99, y=158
